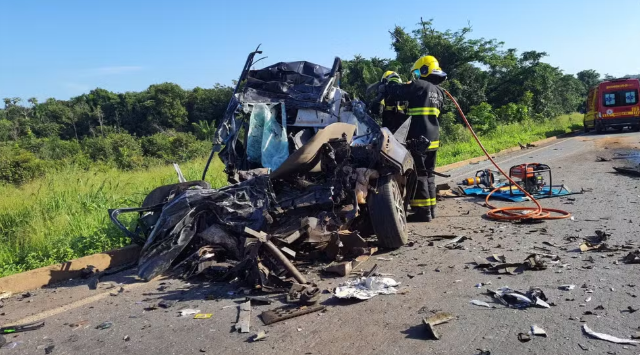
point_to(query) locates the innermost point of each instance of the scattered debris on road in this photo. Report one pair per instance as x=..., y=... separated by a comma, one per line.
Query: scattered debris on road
x=365, y=288
x=21, y=328
x=283, y=313
x=607, y=337
x=482, y=304
x=432, y=321
x=567, y=287
x=243, y=324
x=49, y=349
x=188, y=312
x=533, y=262
x=104, y=325
x=524, y=337
x=203, y=316
x=261, y=335
x=537, y=331
x=633, y=257
x=516, y=299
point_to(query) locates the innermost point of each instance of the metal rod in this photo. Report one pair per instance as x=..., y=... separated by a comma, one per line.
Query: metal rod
x=285, y=262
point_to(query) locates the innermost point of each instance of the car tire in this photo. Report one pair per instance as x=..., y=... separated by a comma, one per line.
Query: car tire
x=387, y=213
x=599, y=128
x=636, y=128
x=586, y=128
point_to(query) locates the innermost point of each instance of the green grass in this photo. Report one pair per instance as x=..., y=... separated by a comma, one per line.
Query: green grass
x=507, y=136
x=63, y=215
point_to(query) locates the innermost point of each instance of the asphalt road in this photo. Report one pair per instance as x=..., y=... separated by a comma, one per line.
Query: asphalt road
x=432, y=279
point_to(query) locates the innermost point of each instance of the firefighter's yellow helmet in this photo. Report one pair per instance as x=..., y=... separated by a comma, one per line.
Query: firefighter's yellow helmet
x=391, y=76
x=428, y=66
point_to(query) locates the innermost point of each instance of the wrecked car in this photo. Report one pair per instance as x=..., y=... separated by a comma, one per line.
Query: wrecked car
x=308, y=170
x=293, y=122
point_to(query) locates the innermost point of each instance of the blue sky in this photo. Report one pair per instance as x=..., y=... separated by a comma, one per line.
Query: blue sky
x=65, y=48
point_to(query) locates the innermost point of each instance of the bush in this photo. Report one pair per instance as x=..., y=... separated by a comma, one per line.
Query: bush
x=185, y=146
x=120, y=149
x=482, y=118
x=451, y=130
x=18, y=165
x=174, y=147
x=157, y=146
x=511, y=113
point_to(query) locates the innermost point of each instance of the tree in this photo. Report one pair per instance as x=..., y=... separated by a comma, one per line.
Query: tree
x=589, y=78
x=204, y=130
x=163, y=107
x=207, y=105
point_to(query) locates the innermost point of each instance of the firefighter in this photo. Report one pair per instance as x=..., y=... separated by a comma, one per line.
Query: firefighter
x=393, y=113
x=424, y=100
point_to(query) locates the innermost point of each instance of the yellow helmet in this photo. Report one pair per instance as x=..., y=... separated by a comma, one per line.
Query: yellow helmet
x=392, y=77
x=428, y=66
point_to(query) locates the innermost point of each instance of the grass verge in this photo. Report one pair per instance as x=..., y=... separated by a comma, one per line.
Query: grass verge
x=63, y=215
x=507, y=136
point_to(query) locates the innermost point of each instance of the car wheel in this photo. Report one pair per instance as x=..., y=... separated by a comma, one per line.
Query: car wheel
x=586, y=128
x=636, y=128
x=387, y=213
x=599, y=128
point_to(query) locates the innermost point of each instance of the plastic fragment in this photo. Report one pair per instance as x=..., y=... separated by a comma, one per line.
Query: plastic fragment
x=365, y=288
x=537, y=331
x=105, y=325
x=567, y=287
x=188, y=312
x=607, y=337
x=261, y=335
x=481, y=304
x=202, y=316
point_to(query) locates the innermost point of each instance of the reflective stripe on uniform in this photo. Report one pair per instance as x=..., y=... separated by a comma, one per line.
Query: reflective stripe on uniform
x=433, y=201
x=423, y=111
x=434, y=145
x=393, y=108
x=421, y=203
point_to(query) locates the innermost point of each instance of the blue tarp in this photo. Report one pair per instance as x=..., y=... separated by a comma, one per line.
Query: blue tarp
x=517, y=195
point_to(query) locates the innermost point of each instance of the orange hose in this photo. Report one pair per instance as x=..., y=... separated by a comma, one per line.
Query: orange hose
x=511, y=213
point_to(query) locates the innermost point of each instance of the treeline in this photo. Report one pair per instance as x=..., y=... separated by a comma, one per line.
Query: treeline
x=159, y=108
x=493, y=85
x=162, y=124
x=166, y=123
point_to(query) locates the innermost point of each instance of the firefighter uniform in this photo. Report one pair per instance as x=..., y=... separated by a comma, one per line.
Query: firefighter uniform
x=392, y=112
x=424, y=101
x=393, y=115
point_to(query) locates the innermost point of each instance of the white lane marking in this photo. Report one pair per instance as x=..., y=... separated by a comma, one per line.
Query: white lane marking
x=488, y=163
